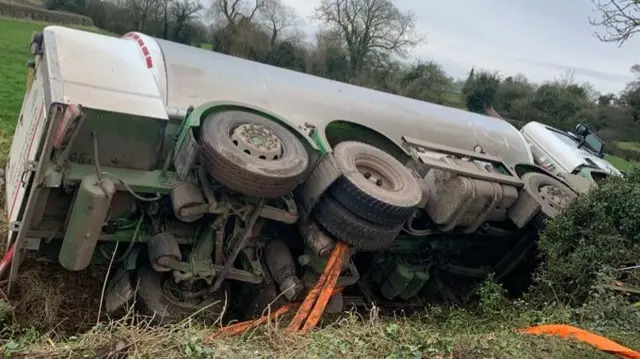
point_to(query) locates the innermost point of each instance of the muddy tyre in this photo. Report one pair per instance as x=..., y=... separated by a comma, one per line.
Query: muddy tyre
x=552, y=195
x=155, y=301
x=251, y=154
x=351, y=229
x=375, y=185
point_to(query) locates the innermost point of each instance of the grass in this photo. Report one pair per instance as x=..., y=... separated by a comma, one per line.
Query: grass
x=53, y=315
x=632, y=146
x=619, y=163
x=14, y=53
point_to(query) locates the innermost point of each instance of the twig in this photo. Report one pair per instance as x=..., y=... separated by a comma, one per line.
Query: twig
x=104, y=284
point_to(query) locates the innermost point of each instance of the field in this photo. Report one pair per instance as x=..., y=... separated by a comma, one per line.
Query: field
x=42, y=322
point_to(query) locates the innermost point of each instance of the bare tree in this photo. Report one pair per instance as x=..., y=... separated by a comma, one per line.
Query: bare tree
x=163, y=16
x=142, y=10
x=620, y=19
x=236, y=11
x=279, y=19
x=370, y=29
x=183, y=12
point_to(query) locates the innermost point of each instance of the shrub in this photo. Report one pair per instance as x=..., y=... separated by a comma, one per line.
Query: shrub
x=597, y=235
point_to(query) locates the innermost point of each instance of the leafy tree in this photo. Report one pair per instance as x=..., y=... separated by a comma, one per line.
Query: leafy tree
x=480, y=91
x=426, y=81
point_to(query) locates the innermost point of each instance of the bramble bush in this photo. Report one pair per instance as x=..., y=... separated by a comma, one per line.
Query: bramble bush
x=588, y=245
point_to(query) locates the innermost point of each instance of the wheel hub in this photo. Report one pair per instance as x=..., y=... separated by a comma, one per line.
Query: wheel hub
x=555, y=197
x=374, y=177
x=258, y=141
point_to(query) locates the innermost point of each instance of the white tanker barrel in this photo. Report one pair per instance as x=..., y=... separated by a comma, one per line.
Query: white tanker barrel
x=188, y=75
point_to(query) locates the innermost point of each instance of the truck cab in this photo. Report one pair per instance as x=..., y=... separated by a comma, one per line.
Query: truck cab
x=560, y=151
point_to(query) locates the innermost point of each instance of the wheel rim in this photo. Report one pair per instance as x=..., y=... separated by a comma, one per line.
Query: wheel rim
x=257, y=141
x=378, y=173
x=555, y=197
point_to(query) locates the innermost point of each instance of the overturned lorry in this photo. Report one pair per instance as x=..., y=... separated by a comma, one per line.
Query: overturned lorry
x=211, y=183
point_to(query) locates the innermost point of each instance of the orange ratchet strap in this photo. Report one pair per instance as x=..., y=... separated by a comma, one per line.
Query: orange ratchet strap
x=319, y=295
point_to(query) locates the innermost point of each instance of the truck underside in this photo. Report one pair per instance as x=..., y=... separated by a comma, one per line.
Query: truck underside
x=230, y=210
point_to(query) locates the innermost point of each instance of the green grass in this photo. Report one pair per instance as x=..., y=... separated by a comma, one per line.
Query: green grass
x=619, y=163
x=631, y=146
x=14, y=53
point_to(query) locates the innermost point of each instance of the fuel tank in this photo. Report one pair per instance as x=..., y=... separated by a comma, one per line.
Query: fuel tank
x=188, y=75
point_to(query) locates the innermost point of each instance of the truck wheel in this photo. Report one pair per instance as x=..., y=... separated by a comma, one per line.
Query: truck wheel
x=552, y=195
x=375, y=185
x=351, y=229
x=251, y=154
x=156, y=299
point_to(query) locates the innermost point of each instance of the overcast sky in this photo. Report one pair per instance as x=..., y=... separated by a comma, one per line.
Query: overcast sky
x=539, y=38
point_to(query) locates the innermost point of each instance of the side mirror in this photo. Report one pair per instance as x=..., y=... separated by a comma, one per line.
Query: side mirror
x=582, y=130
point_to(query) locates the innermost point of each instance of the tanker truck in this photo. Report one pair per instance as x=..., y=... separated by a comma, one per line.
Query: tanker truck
x=209, y=183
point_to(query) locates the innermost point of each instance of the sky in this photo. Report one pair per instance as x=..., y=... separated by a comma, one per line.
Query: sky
x=541, y=39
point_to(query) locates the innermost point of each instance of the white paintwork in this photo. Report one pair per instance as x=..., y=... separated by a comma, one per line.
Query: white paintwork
x=563, y=155
x=100, y=72
x=24, y=147
x=195, y=76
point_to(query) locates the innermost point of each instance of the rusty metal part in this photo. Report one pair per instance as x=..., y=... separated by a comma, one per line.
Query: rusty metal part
x=240, y=244
x=315, y=238
x=283, y=269
x=256, y=140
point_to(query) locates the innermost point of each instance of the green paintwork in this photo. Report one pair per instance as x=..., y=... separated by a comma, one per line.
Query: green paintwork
x=206, y=109
x=324, y=148
x=139, y=181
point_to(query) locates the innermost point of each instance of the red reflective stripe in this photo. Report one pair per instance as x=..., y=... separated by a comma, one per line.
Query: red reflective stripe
x=145, y=50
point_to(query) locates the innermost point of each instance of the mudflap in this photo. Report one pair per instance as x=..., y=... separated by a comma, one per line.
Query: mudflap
x=325, y=173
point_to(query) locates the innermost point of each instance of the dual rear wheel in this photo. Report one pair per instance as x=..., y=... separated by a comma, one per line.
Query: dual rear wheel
x=369, y=204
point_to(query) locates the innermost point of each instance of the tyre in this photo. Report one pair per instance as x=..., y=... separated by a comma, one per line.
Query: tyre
x=251, y=154
x=552, y=195
x=351, y=229
x=156, y=300
x=374, y=185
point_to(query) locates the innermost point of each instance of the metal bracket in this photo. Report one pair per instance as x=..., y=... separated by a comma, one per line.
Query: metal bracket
x=416, y=146
x=31, y=166
x=15, y=226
